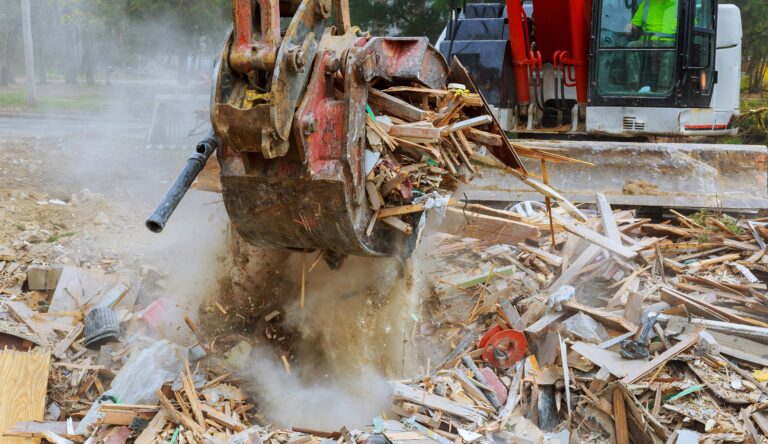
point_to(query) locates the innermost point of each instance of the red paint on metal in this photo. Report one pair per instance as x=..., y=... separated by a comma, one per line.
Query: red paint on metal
x=518, y=43
x=324, y=147
x=243, y=22
x=510, y=343
x=562, y=36
x=706, y=127
x=552, y=30
x=580, y=23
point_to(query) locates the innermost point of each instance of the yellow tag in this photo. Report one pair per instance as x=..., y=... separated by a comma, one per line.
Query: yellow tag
x=460, y=92
x=760, y=375
x=534, y=363
x=252, y=96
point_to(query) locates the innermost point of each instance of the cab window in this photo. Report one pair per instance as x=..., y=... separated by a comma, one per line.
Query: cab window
x=636, y=51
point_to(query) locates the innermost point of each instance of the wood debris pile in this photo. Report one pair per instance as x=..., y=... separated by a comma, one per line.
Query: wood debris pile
x=616, y=328
x=421, y=143
x=641, y=330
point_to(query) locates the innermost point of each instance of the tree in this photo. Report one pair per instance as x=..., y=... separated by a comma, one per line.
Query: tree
x=401, y=17
x=754, y=15
x=10, y=19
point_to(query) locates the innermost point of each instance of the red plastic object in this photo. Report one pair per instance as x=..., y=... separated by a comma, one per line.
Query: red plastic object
x=156, y=311
x=489, y=334
x=505, y=348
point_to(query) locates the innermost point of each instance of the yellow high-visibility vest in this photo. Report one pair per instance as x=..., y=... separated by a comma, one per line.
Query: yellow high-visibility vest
x=657, y=18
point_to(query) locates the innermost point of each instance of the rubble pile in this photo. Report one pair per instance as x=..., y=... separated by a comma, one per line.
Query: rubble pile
x=611, y=327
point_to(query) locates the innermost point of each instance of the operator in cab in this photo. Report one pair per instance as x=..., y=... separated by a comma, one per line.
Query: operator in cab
x=654, y=25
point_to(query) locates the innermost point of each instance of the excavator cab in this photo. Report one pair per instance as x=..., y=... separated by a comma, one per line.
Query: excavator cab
x=606, y=67
x=637, y=49
x=604, y=79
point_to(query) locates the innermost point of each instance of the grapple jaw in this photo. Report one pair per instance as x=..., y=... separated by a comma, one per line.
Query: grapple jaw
x=293, y=139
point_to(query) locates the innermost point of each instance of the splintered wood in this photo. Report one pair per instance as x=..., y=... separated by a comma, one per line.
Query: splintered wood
x=694, y=283
x=421, y=143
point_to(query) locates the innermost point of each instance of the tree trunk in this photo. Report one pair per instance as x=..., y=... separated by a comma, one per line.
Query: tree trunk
x=12, y=38
x=71, y=62
x=89, y=58
x=756, y=70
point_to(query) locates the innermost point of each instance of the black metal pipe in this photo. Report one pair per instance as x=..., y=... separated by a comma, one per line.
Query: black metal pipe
x=206, y=147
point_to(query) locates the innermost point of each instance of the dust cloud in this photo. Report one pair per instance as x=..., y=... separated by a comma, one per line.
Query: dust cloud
x=356, y=331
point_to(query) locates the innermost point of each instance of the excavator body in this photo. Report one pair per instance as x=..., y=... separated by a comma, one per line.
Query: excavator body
x=602, y=81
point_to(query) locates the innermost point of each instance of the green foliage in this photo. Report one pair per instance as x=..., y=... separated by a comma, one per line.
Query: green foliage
x=401, y=17
x=754, y=16
x=86, y=102
x=57, y=237
x=703, y=216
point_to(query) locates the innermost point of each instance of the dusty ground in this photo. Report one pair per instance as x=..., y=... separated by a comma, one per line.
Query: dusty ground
x=81, y=199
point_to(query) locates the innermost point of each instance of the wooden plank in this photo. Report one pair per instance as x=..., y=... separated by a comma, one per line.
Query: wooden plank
x=715, y=260
x=489, y=228
x=700, y=306
x=391, y=105
x=60, y=350
x=178, y=416
x=483, y=137
x=741, y=348
x=23, y=386
x=222, y=418
x=543, y=322
x=432, y=401
x=374, y=198
x=466, y=124
x=416, y=150
x=756, y=333
x=662, y=358
x=189, y=390
x=570, y=273
x=620, y=417
x=24, y=314
x=405, y=209
x=546, y=256
x=34, y=429
x=398, y=225
x=418, y=90
x=421, y=133
x=610, y=320
x=488, y=211
x=585, y=233
x=606, y=214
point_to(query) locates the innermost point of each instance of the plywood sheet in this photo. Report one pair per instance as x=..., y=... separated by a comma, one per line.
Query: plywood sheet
x=23, y=384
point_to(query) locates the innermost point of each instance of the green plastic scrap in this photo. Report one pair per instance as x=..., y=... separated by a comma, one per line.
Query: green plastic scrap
x=431, y=162
x=175, y=435
x=370, y=112
x=688, y=391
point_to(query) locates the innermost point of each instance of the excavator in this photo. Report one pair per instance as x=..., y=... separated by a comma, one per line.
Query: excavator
x=632, y=86
x=288, y=109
